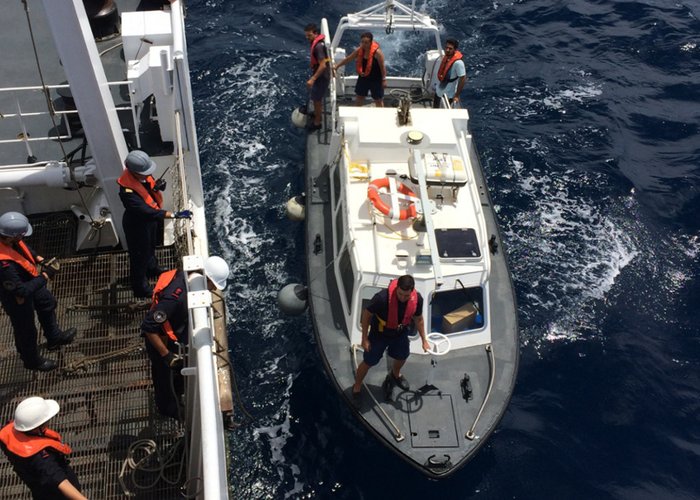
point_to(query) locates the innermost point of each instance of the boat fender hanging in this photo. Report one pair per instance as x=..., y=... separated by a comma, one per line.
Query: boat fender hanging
x=493, y=244
x=292, y=299
x=299, y=117
x=295, y=208
x=379, y=204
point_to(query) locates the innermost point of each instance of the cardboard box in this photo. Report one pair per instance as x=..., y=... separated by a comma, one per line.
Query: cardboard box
x=460, y=319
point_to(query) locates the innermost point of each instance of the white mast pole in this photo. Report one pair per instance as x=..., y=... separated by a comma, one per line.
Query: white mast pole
x=81, y=61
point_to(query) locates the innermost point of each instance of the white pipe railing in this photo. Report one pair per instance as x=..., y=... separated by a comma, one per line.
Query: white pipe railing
x=211, y=453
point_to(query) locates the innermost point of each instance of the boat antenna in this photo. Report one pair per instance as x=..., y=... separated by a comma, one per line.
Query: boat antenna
x=389, y=16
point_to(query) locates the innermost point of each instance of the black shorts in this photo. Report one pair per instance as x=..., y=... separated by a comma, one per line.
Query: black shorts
x=318, y=89
x=397, y=347
x=365, y=86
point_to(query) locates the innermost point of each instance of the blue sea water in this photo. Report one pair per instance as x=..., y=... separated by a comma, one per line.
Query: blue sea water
x=586, y=114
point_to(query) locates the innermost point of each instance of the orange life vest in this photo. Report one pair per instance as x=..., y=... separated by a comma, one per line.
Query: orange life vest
x=446, y=65
x=26, y=261
x=314, y=60
x=392, y=321
x=370, y=59
x=163, y=281
x=25, y=445
x=153, y=198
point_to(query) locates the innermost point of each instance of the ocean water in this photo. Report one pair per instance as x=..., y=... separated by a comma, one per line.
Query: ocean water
x=586, y=115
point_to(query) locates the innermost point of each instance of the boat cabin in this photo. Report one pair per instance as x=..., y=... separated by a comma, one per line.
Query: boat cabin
x=388, y=223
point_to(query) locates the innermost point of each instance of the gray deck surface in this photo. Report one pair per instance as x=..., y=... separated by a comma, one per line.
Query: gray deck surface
x=108, y=406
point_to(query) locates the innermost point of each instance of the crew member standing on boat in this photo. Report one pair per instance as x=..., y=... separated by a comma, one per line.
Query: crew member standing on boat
x=165, y=326
x=371, y=71
x=393, y=314
x=36, y=452
x=451, y=75
x=321, y=77
x=24, y=277
x=143, y=217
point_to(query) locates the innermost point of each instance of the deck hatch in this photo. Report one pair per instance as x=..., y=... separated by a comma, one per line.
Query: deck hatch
x=458, y=243
x=431, y=420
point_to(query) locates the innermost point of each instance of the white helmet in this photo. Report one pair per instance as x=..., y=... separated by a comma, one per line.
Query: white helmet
x=14, y=224
x=34, y=411
x=217, y=271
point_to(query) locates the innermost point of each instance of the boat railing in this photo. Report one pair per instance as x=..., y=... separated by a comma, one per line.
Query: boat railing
x=427, y=217
x=333, y=97
x=483, y=235
x=390, y=16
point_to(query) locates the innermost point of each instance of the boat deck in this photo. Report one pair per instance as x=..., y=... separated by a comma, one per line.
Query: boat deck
x=106, y=404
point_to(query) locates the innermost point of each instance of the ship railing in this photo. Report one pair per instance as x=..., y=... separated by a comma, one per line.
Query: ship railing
x=181, y=82
x=22, y=115
x=206, y=460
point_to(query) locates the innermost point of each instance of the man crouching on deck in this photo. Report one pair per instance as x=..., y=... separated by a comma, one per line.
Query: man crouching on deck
x=394, y=314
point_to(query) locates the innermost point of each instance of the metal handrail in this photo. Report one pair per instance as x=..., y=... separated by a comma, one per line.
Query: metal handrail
x=333, y=98
x=492, y=376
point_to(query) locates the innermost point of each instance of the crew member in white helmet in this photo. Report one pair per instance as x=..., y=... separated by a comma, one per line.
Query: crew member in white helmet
x=165, y=326
x=36, y=452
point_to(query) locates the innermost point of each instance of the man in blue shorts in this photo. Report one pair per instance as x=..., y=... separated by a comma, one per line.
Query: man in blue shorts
x=371, y=71
x=393, y=314
x=321, y=77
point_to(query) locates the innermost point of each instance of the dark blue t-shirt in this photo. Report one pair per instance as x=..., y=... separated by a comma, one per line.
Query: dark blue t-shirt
x=379, y=306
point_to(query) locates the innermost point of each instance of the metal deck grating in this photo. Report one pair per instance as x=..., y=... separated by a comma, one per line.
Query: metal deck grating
x=109, y=405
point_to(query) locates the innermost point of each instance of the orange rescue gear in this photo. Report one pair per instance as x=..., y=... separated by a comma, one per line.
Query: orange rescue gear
x=446, y=65
x=153, y=199
x=26, y=261
x=314, y=60
x=26, y=445
x=379, y=204
x=370, y=59
x=163, y=281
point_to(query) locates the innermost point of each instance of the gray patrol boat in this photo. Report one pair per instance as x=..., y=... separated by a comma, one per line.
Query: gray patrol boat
x=400, y=190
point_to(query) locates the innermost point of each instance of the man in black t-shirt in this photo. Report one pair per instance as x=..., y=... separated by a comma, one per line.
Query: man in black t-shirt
x=393, y=315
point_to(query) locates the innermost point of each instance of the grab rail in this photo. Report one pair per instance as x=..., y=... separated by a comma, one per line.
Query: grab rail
x=492, y=376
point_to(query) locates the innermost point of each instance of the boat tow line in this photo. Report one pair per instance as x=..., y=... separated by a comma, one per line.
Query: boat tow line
x=492, y=375
x=398, y=435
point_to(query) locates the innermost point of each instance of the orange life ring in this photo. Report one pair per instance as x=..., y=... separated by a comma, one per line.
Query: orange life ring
x=373, y=195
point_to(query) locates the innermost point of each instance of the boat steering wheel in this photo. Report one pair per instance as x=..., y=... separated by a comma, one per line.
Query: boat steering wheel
x=441, y=345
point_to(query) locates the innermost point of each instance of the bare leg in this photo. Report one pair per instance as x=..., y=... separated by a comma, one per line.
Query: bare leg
x=359, y=100
x=396, y=368
x=318, y=106
x=379, y=103
x=360, y=376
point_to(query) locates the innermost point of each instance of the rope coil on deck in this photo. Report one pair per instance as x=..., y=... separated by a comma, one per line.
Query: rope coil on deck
x=174, y=457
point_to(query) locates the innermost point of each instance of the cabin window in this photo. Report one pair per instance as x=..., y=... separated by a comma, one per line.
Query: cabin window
x=346, y=275
x=336, y=187
x=339, y=229
x=457, y=310
x=366, y=294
